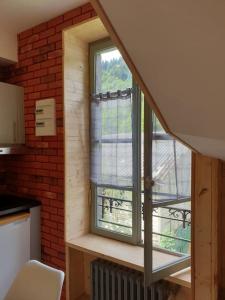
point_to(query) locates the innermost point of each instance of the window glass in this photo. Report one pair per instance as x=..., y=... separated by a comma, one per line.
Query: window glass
x=111, y=73
x=118, y=137
x=114, y=210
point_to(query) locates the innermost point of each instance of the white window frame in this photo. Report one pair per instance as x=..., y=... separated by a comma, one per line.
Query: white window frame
x=150, y=274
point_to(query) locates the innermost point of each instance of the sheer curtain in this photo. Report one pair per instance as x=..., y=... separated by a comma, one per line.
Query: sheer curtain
x=171, y=166
x=111, y=139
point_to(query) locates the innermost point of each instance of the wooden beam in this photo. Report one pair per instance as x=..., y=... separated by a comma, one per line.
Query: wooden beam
x=206, y=177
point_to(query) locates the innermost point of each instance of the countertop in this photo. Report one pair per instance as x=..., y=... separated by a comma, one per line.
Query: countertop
x=10, y=204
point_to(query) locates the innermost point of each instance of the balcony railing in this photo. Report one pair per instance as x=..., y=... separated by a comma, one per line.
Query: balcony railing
x=165, y=214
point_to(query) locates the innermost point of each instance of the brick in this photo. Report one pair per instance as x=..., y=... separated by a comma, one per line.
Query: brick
x=48, y=63
x=55, y=21
x=81, y=18
x=64, y=25
x=48, y=78
x=34, y=67
x=87, y=7
x=59, y=263
x=40, y=58
x=41, y=73
x=34, y=96
x=94, y=14
x=42, y=158
x=55, y=54
x=58, y=247
x=40, y=43
x=73, y=13
x=33, y=81
x=27, y=76
x=58, y=45
x=25, y=48
x=55, y=84
x=50, y=224
x=28, y=90
x=58, y=76
x=29, y=40
x=40, y=28
x=32, y=53
x=47, y=33
x=50, y=195
x=41, y=87
x=40, y=173
x=55, y=38
x=26, y=62
x=50, y=251
x=47, y=48
x=25, y=34
x=55, y=69
x=48, y=93
x=45, y=243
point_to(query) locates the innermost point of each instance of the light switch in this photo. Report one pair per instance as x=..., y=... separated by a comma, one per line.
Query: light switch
x=45, y=117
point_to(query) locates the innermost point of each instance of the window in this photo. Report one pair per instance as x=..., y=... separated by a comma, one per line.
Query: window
x=140, y=175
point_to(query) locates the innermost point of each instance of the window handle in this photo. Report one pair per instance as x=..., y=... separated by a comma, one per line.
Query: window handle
x=149, y=183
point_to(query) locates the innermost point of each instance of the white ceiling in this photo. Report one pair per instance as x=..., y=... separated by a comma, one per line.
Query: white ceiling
x=18, y=15
x=178, y=48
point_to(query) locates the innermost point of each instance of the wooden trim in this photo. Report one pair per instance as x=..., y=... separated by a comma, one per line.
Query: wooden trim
x=192, y=226
x=117, y=41
x=13, y=218
x=181, y=278
x=216, y=195
x=205, y=194
x=130, y=256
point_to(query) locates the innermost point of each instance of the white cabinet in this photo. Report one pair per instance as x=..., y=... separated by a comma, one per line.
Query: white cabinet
x=14, y=251
x=11, y=114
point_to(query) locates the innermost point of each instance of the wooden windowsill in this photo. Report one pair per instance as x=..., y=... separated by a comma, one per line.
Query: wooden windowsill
x=127, y=255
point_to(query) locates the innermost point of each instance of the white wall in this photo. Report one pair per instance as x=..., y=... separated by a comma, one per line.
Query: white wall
x=178, y=48
x=8, y=45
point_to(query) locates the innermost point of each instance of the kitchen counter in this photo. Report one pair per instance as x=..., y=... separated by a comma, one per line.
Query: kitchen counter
x=10, y=204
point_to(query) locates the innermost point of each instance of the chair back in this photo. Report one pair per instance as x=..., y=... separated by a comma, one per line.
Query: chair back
x=36, y=281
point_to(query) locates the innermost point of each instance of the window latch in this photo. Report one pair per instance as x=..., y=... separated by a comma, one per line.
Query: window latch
x=149, y=183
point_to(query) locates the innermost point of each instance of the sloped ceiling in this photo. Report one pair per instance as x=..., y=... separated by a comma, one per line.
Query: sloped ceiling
x=178, y=48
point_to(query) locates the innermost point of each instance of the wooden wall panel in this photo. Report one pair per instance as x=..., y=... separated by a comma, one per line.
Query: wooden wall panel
x=206, y=194
x=76, y=124
x=222, y=237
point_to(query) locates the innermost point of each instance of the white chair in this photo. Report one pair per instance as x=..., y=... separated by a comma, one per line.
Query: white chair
x=36, y=281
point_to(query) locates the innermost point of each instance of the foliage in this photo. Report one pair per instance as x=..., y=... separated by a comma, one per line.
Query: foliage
x=115, y=75
x=176, y=245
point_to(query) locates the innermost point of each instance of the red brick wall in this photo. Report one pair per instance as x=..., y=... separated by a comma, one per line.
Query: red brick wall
x=40, y=174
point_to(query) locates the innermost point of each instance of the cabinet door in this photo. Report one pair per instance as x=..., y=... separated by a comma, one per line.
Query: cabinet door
x=15, y=251
x=11, y=114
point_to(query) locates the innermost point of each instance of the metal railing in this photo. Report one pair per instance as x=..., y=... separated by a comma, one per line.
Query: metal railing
x=108, y=205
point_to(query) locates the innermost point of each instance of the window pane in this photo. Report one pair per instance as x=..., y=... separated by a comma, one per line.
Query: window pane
x=112, y=73
x=172, y=228
x=171, y=166
x=114, y=210
x=163, y=170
